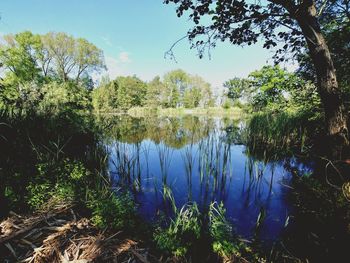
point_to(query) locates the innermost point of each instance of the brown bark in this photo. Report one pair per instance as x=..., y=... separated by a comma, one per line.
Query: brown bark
x=329, y=90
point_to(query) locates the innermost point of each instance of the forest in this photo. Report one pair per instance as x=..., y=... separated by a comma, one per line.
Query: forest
x=94, y=169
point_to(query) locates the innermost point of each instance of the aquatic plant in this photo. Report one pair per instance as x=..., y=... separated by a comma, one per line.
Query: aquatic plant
x=167, y=194
x=224, y=243
x=165, y=155
x=279, y=134
x=182, y=232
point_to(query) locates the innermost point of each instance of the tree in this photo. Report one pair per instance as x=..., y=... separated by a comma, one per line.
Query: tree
x=61, y=47
x=270, y=85
x=87, y=58
x=71, y=56
x=337, y=34
x=30, y=57
x=192, y=98
x=202, y=95
x=155, y=90
x=244, y=22
x=176, y=82
x=237, y=88
x=104, y=97
x=18, y=55
x=131, y=92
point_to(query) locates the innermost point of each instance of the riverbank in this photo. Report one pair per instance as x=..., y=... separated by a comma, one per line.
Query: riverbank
x=233, y=112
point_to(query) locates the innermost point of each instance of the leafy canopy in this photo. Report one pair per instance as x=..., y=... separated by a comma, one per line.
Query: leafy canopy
x=243, y=22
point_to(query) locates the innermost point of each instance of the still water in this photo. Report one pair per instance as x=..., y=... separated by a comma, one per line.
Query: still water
x=201, y=160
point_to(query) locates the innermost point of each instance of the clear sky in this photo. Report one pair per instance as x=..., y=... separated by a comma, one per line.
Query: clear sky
x=134, y=35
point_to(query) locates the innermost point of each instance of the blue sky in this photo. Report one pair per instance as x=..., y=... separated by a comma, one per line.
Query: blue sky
x=134, y=35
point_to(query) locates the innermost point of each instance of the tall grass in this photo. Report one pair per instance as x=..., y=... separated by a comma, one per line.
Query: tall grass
x=281, y=133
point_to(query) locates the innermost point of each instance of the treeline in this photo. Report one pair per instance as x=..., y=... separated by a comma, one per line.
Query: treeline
x=176, y=89
x=54, y=71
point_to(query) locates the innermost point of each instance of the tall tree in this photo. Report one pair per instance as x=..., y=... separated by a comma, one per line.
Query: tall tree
x=176, y=82
x=18, y=55
x=154, y=95
x=71, y=57
x=201, y=93
x=61, y=46
x=31, y=57
x=87, y=58
x=244, y=22
x=131, y=92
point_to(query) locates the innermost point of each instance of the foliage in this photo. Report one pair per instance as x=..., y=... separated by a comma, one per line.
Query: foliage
x=221, y=232
x=57, y=182
x=237, y=88
x=122, y=93
x=32, y=57
x=245, y=22
x=113, y=210
x=154, y=93
x=65, y=96
x=271, y=87
x=19, y=56
x=182, y=232
x=131, y=91
x=199, y=94
x=227, y=104
x=175, y=83
x=41, y=157
x=38, y=194
x=337, y=33
x=176, y=89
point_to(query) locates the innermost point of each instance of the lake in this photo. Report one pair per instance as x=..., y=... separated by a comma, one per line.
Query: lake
x=171, y=161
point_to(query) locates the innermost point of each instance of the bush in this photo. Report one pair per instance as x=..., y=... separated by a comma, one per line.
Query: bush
x=38, y=194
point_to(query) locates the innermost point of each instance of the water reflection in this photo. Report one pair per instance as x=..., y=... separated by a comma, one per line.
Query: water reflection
x=167, y=162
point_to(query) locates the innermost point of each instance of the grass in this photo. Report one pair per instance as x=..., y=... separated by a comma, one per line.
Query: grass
x=178, y=238
x=190, y=227
x=278, y=134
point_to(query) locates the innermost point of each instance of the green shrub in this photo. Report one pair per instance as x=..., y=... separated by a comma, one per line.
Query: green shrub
x=63, y=191
x=58, y=182
x=114, y=210
x=38, y=194
x=75, y=170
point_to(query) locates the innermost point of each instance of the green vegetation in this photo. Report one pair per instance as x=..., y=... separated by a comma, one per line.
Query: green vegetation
x=113, y=210
x=182, y=232
x=190, y=226
x=49, y=139
x=177, y=89
x=55, y=149
x=284, y=110
x=300, y=25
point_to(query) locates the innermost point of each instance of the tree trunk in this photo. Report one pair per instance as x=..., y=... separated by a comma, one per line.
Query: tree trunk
x=330, y=92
